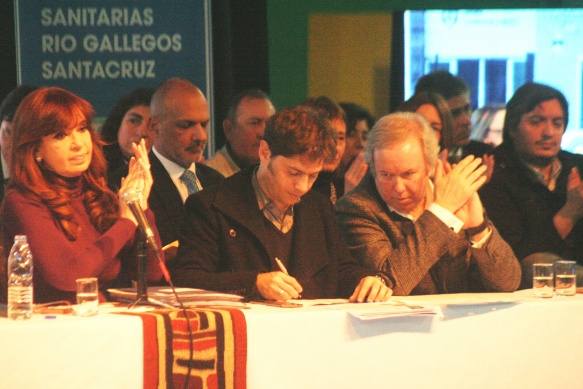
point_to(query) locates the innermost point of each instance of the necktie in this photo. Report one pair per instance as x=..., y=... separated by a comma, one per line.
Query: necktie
x=333, y=194
x=189, y=179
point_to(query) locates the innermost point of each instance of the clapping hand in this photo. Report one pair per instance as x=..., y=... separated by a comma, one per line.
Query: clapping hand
x=355, y=172
x=455, y=185
x=472, y=212
x=572, y=211
x=574, y=202
x=488, y=161
x=139, y=179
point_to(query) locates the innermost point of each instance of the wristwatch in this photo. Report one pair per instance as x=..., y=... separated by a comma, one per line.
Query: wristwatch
x=476, y=230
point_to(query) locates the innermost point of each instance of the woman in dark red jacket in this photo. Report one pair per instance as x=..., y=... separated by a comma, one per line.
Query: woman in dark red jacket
x=58, y=197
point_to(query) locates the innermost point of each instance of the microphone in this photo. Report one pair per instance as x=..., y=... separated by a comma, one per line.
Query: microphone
x=131, y=197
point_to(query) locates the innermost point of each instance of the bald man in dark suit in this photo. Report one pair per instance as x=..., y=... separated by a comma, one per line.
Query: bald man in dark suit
x=179, y=120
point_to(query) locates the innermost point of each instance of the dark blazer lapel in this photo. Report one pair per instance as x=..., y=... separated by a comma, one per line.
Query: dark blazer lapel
x=166, y=196
x=206, y=179
x=310, y=247
x=237, y=200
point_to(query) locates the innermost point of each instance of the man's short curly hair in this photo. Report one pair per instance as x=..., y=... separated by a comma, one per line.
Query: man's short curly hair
x=300, y=130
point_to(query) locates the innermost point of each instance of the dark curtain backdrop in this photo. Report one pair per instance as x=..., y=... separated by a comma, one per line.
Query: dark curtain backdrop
x=240, y=53
x=7, y=49
x=240, y=57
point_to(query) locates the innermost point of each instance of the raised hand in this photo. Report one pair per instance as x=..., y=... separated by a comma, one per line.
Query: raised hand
x=574, y=201
x=355, y=173
x=488, y=160
x=139, y=179
x=454, y=188
x=143, y=170
x=472, y=212
x=442, y=156
x=572, y=211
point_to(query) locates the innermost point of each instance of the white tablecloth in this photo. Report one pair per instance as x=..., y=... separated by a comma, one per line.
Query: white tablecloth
x=101, y=352
x=527, y=344
x=531, y=344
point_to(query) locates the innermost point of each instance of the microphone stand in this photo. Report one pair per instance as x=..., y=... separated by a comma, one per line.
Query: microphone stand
x=142, y=281
x=142, y=284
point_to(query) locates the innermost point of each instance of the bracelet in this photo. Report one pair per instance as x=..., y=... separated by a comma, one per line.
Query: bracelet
x=382, y=279
x=476, y=230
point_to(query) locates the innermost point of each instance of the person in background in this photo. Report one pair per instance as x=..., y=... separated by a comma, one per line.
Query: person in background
x=7, y=111
x=487, y=124
x=235, y=233
x=329, y=181
x=243, y=127
x=352, y=165
x=126, y=124
x=535, y=196
x=419, y=220
x=457, y=94
x=58, y=197
x=179, y=119
x=437, y=113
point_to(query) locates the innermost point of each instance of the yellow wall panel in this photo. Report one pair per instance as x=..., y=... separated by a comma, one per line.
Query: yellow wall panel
x=349, y=58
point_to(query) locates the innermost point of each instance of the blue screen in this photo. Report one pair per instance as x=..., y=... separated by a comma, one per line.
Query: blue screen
x=496, y=51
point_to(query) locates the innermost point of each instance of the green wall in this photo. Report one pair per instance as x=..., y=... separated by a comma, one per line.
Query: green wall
x=288, y=33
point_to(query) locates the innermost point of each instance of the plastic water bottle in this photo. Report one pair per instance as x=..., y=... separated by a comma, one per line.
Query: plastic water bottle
x=19, y=271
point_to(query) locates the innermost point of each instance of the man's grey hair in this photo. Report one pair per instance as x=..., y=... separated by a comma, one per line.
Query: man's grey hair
x=393, y=129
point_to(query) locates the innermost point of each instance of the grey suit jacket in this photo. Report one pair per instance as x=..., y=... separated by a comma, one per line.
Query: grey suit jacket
x=425, y=256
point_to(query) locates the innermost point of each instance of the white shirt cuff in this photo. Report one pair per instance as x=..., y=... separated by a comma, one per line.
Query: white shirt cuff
x=446, y=217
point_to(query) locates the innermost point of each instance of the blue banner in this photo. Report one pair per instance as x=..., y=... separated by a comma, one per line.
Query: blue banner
x=102, y=49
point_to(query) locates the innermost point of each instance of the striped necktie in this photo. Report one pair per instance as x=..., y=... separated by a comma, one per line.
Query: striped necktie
x=333, y=194
x=189, y=179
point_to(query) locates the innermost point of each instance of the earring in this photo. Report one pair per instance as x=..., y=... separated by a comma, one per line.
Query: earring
x=39, y=159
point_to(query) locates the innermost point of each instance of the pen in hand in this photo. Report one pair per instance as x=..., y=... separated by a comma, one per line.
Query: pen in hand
x=283, y=269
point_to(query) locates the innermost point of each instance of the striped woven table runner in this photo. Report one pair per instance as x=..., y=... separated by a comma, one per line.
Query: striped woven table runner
x=219, y=343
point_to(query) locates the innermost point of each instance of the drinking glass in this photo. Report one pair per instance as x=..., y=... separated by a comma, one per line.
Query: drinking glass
x=542, y=279
x=87, y=297
x=565, y=284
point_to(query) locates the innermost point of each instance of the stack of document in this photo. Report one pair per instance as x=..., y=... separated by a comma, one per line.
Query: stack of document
x=465, y=299
x=372, y=311
x=190, y=297
x=362, y=311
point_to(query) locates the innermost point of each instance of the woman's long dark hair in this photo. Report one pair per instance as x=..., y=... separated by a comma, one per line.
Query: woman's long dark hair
x=44, y=112
x=448, y=126
x=110, y=129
